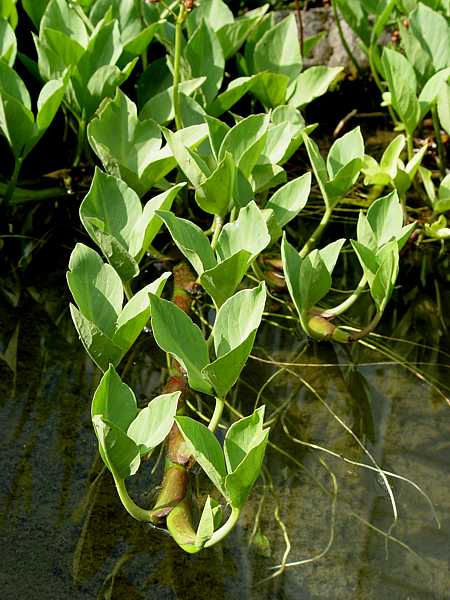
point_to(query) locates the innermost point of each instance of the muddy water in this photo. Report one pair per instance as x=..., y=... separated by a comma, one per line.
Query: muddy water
x=64, y=534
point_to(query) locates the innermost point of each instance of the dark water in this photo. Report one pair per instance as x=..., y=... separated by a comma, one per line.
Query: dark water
x=64, y=534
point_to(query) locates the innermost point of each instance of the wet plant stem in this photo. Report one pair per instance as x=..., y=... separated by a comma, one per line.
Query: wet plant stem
x=138, y=513
x=410, y=146
x=346, y=304
x=127, y=289
x=437, y=135
x=177, y=64
x=9, y=193
x=217, y=228
x=315, y=236
x=223, y=531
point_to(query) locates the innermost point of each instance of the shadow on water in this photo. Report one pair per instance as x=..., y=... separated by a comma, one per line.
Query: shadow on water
x=65, y=535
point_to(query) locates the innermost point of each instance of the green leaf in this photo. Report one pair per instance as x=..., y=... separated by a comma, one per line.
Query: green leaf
x=249, y=232
x=98, y=345
x=442, y=203
x=245, y=142
x=241, y=437
x=367, y=259
x=136, y=313
x=217, y=130
x=315, y=280
x=210, y=519
x=312, y=83
x=175, y=333
x=345, y=150
x=430, y=93
x=206, y=450
x=153, y=423
x=233, y=34
x=318, y=165
x=234, y=92
x=221, y=281
x=61, y=16
x=190, y=240
x=96, y=288
x=234, y=333
x=444, y=107
x=215, y=194
x=48, y=103
x=290, y=199
x=119, y=452
x=8, y=43
x=239, y=483
x=159, y=107
x=383, y=283
x=385, y=217
x=191, y=165
x=402, y=84
x=270, y=88
x=291, y=267
x=278, y=49
x=114, y=400
x=114, y=252
x=204, y=54
x=124, y=144
x=214, y=12
x=432, y=31
x=329, y=254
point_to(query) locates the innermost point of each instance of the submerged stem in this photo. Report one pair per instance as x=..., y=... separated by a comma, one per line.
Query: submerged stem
x=368, y=329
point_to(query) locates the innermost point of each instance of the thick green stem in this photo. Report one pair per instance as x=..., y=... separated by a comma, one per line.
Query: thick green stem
x=13, y=181
x=437, y=135
x=346, y=304
x=217, y=228
x=127, y=289
x=223, y=531
x=22, y=196
x=410, y=146
x=309, y=245
x=138, y=513
x=177, y=64
x=217, y=414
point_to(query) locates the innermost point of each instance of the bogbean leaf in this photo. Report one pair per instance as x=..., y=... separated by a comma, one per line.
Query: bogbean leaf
x=8, y=43
x=444, y=107
x=119, y=452
x=402, y=84
x=222, y=280
x=290, y=199
x=245, y=142
x=234, y=333
x=217, y=130
x=442, y=203
x=312, y=83
x=278, y=49
x=159, y=107
x=191, y=165
x=270, y=88
x=234, y=92
x=98, y=345
x=330, y=253
x=315, y=280
x=431, y=30
x=233, y=34
x=318, y=165
x=113, y=210
x=383, y=283
x=210, y=519
x=291, y=267
x=153, y=423
x=114, y=400
x=206, y=450
x=190, y=240
x=136, y=313
x=249, y=232
x=216, y=193
x=367, y=259
x=214, y=12
x=124, y=143
x=385, y=217
x=205, y=56
x=344, y=150
x=241, y=437
x=239, y=483
x=175, y=333
x=431, y=90
x=96, y=288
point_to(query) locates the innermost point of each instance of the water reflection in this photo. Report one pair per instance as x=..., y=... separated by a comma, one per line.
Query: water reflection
x=64, y=533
